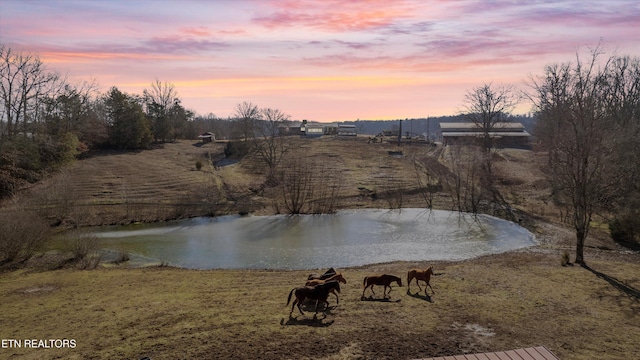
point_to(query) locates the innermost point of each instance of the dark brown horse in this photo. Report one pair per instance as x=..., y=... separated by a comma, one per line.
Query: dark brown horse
x=319, y=293
x=384, y=280
x=418, y=274
x=327, y=274
x=337, y=277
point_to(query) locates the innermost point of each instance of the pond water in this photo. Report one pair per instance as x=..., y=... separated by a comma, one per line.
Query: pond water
x=348, y=238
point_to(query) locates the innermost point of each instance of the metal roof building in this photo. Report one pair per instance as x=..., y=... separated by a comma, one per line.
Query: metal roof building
x=504, y=134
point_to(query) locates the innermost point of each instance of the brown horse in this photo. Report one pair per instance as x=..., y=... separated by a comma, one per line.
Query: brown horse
x=319, y=293
x=337, y=277
x=327, y=274
x=424, y=275
x=384, y=280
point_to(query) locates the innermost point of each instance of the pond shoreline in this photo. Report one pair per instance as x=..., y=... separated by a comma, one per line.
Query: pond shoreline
x=348, y=238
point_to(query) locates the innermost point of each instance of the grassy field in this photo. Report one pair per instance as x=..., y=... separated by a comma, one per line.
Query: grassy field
x=488, y=304
x=491, y=303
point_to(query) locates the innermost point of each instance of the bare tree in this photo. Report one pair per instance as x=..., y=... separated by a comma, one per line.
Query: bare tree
x=465, y=183
x=430, y=174
x=160, y=99
x=296, y=183
x=307, y=186
x=488, y=106
x=247, y=115
x=327, y=188
x=273, y=145
x=24, y=81
x=577, y=128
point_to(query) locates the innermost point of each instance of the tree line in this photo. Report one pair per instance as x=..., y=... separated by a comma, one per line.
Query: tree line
x=47, y=121
x=588, y=124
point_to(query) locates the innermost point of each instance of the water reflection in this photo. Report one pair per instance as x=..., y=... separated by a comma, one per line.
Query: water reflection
x=349, y=238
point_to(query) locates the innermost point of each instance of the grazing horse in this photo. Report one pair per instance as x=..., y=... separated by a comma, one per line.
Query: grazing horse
x=384, y=280
x=337, y=277
x=319, y=293
x=424, y=275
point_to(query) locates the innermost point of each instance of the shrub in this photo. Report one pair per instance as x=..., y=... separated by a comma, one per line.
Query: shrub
x=625, y=229
x=237, y=149
x=83, y=247
x=123, y=256
x=22, y=233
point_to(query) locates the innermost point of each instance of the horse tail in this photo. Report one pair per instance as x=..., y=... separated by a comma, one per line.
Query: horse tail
x=364, y=282
x=289, y=298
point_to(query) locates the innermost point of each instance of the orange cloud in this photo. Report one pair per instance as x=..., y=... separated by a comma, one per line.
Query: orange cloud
x=72, y=56
x=305, y=82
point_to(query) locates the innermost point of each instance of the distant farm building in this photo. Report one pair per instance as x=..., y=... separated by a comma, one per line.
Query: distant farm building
x=291, y=128
x=504, y=134
x=207, y=137
x=347, y=130
x=313, y=129
x=316, y=129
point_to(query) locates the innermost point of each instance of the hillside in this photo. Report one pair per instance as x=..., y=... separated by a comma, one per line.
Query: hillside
x=164, y=183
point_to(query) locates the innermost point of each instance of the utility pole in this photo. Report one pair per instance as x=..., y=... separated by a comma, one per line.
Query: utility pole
x=428, y=135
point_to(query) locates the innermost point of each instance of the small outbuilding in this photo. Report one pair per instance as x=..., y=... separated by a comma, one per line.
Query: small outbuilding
x=207, y=137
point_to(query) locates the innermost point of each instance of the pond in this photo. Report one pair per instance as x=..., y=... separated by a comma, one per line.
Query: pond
x=348, y=238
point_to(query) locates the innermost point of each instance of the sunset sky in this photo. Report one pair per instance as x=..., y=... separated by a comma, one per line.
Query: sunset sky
x=325, y=60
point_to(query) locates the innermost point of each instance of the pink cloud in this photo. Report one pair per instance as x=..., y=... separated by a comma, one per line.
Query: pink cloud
x=335, y=15
x=196, y=31
x=179, y=44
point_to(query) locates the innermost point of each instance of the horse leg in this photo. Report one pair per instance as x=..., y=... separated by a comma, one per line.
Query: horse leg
x=326, y=304
x=425, y=289
x=365, y=289
x=409, y=280
x=321, y=301
x=337, y=298
x=299, y=302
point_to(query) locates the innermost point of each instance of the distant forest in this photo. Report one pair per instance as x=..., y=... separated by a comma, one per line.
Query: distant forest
x=420, y=127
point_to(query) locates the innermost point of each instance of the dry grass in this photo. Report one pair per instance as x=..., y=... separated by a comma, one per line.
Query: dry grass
x=491, y=303
x=163, y=183
x=487, y=304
